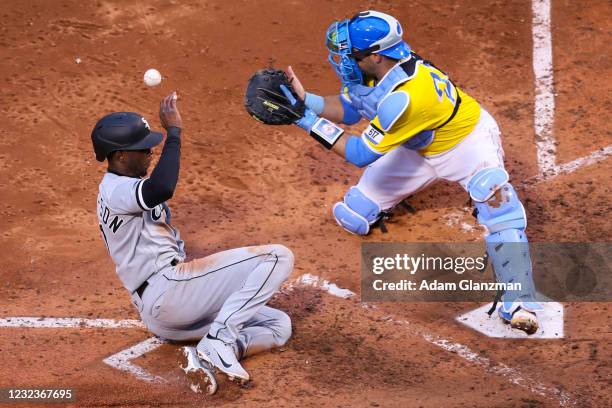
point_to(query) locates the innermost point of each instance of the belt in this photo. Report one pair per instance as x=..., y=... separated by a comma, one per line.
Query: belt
x=140, y=290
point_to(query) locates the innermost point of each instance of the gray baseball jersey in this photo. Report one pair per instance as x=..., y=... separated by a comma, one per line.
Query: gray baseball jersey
x=224, y=294
x=140, y=240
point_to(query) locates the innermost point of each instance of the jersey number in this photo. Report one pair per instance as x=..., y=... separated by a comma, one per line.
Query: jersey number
x=447, y=87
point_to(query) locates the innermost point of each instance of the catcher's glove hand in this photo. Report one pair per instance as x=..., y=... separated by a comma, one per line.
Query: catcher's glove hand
x=266, y=102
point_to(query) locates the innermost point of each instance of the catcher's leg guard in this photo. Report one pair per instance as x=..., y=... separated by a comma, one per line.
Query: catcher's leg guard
x=499, y=209
x=357, y=212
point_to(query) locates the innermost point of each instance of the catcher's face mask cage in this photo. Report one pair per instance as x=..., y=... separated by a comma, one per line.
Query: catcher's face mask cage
x=339, y=47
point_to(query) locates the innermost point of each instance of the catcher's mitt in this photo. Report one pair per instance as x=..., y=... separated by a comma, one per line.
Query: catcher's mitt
x=266, y=102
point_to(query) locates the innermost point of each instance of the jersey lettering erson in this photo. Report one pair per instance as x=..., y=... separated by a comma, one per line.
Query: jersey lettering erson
x=140, y=239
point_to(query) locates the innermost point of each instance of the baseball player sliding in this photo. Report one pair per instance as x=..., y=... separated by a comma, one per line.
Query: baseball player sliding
x=219, y=300
x=422, y=128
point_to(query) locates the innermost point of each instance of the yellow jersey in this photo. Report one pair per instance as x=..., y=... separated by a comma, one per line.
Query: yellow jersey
x=432, y=100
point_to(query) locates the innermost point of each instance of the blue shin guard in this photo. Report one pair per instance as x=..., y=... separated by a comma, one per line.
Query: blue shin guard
x=499, y=209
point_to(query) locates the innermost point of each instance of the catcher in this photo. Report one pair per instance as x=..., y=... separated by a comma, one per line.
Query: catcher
x=422, y=128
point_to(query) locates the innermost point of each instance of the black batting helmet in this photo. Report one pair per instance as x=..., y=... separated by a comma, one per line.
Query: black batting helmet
x=122, y=131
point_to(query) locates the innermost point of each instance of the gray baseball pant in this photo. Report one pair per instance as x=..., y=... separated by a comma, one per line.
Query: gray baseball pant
x=223, y=294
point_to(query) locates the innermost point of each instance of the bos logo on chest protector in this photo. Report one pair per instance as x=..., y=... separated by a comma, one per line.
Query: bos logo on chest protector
x=374, y=135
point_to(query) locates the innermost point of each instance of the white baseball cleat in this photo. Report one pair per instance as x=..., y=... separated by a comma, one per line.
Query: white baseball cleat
x=521, y=319
x=525, y=321
x=222, y=356
x=200, y=373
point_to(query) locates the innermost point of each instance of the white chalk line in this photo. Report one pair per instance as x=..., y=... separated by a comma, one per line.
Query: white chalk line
x=331, y=288
x=122, y=360
x=544, y=106
x=594, y=157
x=574, y=165
x=544, y=91
x=513, y=375
x=64, y=322
x=119, y=361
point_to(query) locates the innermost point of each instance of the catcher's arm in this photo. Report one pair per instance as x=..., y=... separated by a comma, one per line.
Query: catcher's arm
x=351, y=148
x=328, y=107
x=273, y=100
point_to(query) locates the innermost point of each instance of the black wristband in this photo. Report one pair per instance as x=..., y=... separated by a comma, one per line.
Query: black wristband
x=174, y=131
x=326, y=132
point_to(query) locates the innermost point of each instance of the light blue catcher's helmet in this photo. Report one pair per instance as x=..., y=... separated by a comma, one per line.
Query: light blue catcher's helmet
x=366, y=33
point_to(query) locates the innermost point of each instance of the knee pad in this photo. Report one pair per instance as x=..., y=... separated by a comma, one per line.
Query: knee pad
x=357, y=212
x=497, y=205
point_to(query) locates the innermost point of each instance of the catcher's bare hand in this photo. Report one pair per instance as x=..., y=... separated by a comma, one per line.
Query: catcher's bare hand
x=295, y=83
x=168, y=112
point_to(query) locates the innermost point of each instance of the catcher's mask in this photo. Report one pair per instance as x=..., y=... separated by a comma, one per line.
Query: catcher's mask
x=365, y=33
x=122, y=131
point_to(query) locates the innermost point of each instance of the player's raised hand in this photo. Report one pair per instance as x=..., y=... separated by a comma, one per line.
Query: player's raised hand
x=295, y=83
x=168, y=112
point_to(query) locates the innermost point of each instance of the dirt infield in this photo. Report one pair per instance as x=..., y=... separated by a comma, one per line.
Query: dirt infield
x=66, y=63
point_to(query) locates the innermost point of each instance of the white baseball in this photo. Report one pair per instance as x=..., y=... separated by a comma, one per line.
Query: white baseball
x=152, y=77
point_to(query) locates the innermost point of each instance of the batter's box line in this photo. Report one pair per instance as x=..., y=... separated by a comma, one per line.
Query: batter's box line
x=544, y=104
x=67, y=322
x=570, y=167
x=120, y=361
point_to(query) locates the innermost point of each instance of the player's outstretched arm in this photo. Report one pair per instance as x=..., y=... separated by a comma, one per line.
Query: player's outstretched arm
x=164, y=177
x=328, y=107
x=330, y=135
x=274, y=99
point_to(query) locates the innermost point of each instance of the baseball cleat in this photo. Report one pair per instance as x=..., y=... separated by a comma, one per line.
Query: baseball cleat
x=199, y=373
x=521, y=319
x=222, y=356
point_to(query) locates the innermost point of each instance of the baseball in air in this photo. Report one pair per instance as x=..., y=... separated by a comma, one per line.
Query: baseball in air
x=152, y=77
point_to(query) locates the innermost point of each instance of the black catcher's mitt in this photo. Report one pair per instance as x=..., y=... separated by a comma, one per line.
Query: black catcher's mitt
x=266, y=102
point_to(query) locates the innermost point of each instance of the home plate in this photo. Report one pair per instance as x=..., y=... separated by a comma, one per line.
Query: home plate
x=551, y=323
